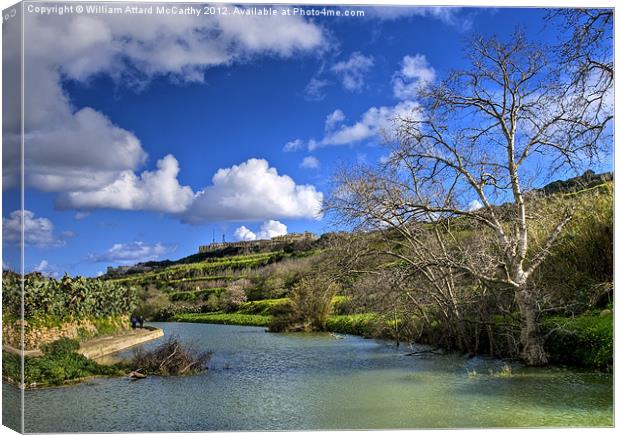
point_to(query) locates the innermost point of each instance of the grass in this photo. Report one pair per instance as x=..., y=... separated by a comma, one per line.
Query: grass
x=356, y=324
x=224, y=319
x=504, y=372
x=585, y=340
x=263, y=307
x=256, y=314
x=205, y=278
x=60, y=364
x=198, y=271
x=195, y=295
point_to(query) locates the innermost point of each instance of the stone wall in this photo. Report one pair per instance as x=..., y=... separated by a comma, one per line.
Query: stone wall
x=35, y=337
x=266, y=243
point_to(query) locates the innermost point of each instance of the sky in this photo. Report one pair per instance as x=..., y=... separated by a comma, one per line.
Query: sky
x=149, y=135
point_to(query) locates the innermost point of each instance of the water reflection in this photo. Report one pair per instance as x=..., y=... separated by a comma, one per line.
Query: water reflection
x=265, y=381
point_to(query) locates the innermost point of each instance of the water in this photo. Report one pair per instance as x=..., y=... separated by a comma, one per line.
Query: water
x=264, y=381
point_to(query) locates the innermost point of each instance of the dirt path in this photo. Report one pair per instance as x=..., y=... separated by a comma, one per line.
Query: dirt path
x=101, y=346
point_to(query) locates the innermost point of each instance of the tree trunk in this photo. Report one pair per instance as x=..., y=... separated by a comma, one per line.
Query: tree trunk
x=533, y=352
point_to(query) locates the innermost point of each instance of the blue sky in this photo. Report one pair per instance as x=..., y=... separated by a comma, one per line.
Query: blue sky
x=108, y=98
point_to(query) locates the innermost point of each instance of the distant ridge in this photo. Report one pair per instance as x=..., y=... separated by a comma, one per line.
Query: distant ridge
x=588, y=179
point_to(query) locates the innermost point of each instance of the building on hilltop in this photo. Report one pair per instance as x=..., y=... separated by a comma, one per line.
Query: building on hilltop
x=274, y=242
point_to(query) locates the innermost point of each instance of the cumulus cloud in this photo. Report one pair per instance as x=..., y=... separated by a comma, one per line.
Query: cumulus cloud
x=474, y=205
x=42, y=266
x=128, y=253
x=353, y=71
x=253, y=191
x=310, y=162
x=294, y=145
x=244, y=234
x=80, y=151
x=38, y=231
x=47, y=269
x=374, y=123
x=415, y=74
x=157, y=190
x=268, y=230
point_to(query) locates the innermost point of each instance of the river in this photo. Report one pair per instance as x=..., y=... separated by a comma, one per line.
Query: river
x=264, y=381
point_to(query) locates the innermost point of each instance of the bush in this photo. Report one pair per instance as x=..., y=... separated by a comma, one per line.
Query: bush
x=58, y=365
x=168, y=312
x=266, y=307
x=355, y=324
x=310, y=304
x=171, y=358
x=67, y=298
x=61, y=346
x=234, y=295
x=585, y=340
x=225, y=319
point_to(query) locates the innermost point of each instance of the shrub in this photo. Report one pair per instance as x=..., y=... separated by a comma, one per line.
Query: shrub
x=225, y=319
x=355, y=324
x=171, y=358
x=310, y=304
x=61, y=346
x=585, y=340
x=66, y=298
x=234, y=295
x=59, y=364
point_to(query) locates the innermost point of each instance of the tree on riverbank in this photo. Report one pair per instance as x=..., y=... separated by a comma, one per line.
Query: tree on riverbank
x=454, y=201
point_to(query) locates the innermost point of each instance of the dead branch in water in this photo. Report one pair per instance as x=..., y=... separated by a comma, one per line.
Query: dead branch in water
x=171, y=358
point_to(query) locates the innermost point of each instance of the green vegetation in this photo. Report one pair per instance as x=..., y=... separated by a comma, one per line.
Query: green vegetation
x=67, y=298
x=312, y=289
x=224, y=319
x=59, y=364
x=356, y=324
x=211, y=267
x=263, y=307
x=585, y=340
x=194, y=295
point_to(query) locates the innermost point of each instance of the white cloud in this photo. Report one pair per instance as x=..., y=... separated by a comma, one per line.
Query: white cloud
x=83, y=150
x=415, y=74
x=47, y=269
x=272, y=229
x=333, y=119
x=313, y=144
x=474, y=205
x=268, y=230
x=353, y=71
x=127, y=253
x=294, y=145
x=158, y=190
x=310, y=162
x=38, y=231
x=314, y=89
x=80, y=151
x=374, y=123
x=42, y=266
x=446, y=14
x=254, y=191
x=244, y=234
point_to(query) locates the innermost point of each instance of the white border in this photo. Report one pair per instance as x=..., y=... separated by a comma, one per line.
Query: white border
x=461, y=3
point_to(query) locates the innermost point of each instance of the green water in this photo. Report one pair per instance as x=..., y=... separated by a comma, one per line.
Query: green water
x=264, y=381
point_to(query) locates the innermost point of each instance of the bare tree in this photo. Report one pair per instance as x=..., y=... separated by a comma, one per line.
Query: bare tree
x=586, y=56
x=453, y=196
